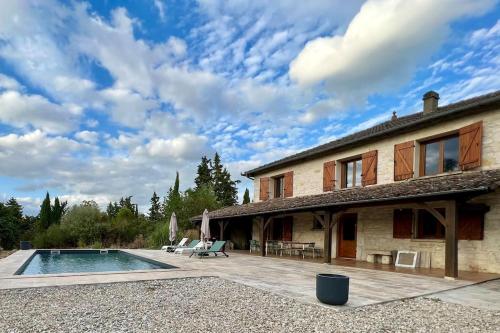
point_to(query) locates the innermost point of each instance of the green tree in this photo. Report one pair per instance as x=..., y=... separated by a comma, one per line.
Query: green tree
x=246, y=197
x=195, y=202
x=9, y=226
x=58, y=210
x=224, y=187
x=44, y=218
x=84, y=225
x=154, y=210
x=203, y=174
x=173, y=201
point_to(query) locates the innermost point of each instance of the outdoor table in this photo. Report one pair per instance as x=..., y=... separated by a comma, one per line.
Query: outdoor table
x=289, y=245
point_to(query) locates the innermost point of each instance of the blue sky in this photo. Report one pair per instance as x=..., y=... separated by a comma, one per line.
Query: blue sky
x=103, y=99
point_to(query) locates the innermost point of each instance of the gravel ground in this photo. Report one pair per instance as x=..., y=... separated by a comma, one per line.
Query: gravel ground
x=216, y=305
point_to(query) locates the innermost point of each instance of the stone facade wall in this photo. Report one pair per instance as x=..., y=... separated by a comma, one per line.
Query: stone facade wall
x=374, y=232
x=308, y=176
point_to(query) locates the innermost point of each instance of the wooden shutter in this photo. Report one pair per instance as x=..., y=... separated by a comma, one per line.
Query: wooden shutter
x=264, y=188
x=471, y=223
x=288, y=186
x=402, y=223
x=403, y=160
x=369, y=168
x=328, y=176
x=288, y=228
x=470, y=138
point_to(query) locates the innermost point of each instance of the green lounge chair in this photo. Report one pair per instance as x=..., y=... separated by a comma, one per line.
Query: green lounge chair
x=217, y=247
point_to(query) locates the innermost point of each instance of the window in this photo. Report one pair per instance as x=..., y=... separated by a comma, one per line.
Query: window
x=428, y=227
x=470, y=223
x=351, y=173
x=439, y=156
x=279, y=186
x=317, y=224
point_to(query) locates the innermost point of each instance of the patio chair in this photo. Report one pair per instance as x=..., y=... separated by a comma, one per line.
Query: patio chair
x=190, y=248
x=313, y=249
x=217, y=247
x=171, y=248
x=254, y=245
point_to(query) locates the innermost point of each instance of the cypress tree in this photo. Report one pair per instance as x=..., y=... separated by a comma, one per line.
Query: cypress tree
x=246, y=197
x=45, y=213
x=58, y=211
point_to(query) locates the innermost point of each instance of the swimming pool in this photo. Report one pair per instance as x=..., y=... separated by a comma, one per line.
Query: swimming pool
x=82, y=261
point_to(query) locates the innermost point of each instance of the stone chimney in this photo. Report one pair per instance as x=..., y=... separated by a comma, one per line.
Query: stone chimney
x=394, y=116
x=430, y=101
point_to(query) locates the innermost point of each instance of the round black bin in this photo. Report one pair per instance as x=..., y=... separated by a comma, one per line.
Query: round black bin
x=332, y=289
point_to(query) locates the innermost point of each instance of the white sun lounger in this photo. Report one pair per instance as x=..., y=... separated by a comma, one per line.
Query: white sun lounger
x=189, y=249
x=171, y=248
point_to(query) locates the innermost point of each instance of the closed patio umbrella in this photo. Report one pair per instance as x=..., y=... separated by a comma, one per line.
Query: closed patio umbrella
x=205, y=227
x=172, y=234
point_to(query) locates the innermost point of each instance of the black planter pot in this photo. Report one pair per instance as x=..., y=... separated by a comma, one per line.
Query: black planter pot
x=332, y=289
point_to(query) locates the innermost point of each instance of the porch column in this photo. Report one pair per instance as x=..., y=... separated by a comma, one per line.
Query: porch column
x=261, y=236
x=263, y=223
x=327, y=247
x=451, y=245
x=222, y=227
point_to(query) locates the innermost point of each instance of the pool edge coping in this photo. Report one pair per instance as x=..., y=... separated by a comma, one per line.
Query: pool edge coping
x=26, y=261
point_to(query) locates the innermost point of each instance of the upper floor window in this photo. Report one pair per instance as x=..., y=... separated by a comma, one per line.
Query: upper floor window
x=279, y=187
x=351, y=173
x=441, y=155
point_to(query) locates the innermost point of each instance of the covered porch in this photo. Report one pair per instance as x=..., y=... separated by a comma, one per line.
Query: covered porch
x=358, y=224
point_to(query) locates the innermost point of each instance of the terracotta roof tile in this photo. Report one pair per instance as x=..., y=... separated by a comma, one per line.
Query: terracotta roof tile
x=474, y=182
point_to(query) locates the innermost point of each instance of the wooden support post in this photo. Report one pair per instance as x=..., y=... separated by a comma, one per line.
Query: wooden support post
x=262, y=240
x=221, y=228
x=327, y=247
x=451, y=245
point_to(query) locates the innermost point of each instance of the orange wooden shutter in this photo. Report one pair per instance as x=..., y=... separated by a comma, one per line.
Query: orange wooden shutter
x=402, y=223
x=403, y=160
x=470, y=224
x=328, y=176
x=264, y=188
x=369, y=168
x=288, y=184
x=470, y=138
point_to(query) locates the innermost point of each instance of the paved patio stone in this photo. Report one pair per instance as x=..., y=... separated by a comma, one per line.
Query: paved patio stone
x=288, y=278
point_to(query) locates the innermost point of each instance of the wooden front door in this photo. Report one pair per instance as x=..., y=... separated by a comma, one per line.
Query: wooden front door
x=347, y=235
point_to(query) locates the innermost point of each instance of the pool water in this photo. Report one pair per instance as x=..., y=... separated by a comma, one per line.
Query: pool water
x=80, y=261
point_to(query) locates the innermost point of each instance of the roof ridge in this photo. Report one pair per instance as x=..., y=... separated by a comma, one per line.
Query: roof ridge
x=381, y=128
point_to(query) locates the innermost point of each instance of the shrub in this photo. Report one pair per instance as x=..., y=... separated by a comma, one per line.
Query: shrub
x=159, y=236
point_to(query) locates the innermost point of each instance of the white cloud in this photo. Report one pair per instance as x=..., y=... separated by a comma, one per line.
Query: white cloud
x=183, y=147
x=127, y=107
x=21, y=111
x=160, y=5
x=268, y=32
x=8, y=83
x=382, y=46
x=34, y=154
x=87, y=136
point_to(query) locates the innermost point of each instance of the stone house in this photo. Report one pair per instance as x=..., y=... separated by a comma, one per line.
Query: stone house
x=425, y=182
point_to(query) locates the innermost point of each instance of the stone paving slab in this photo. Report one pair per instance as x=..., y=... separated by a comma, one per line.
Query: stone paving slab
x=484, y=295
x=288, y=278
